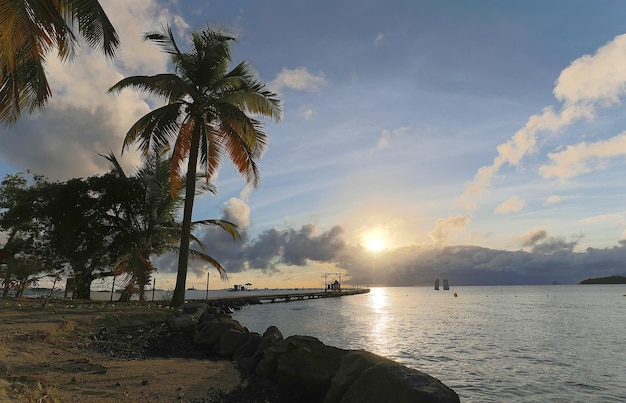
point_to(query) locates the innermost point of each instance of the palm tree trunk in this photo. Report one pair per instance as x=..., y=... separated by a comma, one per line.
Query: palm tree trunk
x=178, y=298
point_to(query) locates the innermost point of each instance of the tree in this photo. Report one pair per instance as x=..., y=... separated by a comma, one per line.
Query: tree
x=205, y=117
x=25, y=254
x=149, y=223
x=29, y=31
x=66, y=225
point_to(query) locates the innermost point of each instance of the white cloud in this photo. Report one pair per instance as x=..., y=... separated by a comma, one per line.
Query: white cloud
x=307, y=113
x=298, y=79
x=379, y=39
x=444, y=226
x=583, y=158
x=81, y=119
x=533, y=236
x=387, y=135
x=512, y=205
x=598, y=78
x=553, y=199
x=237, y=211
x=589, y=83
x=610, y=217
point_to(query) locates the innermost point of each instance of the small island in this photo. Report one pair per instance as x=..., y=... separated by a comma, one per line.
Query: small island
x=605, y=280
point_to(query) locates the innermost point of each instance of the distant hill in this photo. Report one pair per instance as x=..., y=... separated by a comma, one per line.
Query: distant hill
x=605, y=280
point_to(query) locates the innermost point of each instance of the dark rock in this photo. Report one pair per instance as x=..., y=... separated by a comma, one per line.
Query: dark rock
x=352, y=366
x=389, y=381
x=210, y=333
x=182, y=323
x=249, y=348
x=231, y=340
x=193, y=308
x=302, y=364
x=266, y=368
x=270, y=337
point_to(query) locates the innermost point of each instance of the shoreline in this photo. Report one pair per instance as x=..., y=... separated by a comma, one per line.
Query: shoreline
x=71, y=349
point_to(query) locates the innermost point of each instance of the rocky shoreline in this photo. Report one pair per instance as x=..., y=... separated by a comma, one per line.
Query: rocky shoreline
x=145, y=352
x=275, y=369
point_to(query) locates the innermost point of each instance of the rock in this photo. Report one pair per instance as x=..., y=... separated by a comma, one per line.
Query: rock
x=389, y=381
x=211, y=332
x=231, y=340
x=197, y=310
x=268, y=363
x=249, y=348
x=182, y=324
x=245, y=355
x=270, y=337
x=302, y=364
x=352, y=366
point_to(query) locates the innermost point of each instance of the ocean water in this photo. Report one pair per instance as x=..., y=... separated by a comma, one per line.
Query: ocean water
x=489, y=344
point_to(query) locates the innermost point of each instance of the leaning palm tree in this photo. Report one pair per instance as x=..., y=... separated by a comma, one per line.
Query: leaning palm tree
x=205, y=117
x=149, y=227
x=29, y=31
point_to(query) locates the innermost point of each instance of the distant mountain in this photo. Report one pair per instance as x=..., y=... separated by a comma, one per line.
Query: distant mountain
x=605, y=280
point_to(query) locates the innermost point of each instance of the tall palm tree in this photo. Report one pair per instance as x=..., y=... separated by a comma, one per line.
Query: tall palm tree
x=205, y=117
x=149, y=224
x=29, y=30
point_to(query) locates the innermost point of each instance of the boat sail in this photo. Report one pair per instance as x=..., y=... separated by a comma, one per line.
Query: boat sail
x=437, y=284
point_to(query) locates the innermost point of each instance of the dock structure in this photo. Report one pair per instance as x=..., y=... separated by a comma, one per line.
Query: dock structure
x=289, y=296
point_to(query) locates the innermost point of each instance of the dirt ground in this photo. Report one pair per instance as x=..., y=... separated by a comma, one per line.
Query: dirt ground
x=60, y=353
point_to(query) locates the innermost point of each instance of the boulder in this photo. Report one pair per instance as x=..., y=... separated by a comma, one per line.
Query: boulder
x=182, y=324
x=211, y=332
x=389, y=381
x=231, y=340
x=352, y=366
x=270, y=337
x=246, y=356
x=248, y=349
x=303, y=365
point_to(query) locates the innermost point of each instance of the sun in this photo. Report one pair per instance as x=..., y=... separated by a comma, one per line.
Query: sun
x=375, y=240
x=375, y=245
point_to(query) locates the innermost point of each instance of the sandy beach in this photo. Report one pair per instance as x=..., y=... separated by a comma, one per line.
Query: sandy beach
x=70, y=351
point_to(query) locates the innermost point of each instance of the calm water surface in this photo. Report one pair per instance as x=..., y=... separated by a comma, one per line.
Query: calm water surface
x=490, y=344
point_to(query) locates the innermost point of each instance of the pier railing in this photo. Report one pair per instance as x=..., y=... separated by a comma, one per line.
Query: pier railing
x=289, y=296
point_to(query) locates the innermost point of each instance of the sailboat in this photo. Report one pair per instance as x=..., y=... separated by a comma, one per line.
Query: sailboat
x=445, y=284
x=437, y=284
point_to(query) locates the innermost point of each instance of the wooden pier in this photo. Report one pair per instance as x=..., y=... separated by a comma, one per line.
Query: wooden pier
x=259, y=298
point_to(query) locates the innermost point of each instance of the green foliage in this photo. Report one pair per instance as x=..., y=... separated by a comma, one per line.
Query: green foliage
x=30, y=30
x=205, y=117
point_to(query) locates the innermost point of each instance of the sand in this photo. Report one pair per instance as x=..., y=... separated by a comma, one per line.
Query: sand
x=46, y=355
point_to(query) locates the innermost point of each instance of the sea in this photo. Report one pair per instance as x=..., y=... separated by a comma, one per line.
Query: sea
x=564, y=343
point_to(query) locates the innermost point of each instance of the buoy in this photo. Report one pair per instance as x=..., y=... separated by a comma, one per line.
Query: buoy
x=455, y=295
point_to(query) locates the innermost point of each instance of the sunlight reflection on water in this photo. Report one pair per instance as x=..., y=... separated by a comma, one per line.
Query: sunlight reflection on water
x=491, y=344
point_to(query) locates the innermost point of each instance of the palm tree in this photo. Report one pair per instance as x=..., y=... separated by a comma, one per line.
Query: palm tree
x=148, y=222
x=205, y=117
x=29, y=30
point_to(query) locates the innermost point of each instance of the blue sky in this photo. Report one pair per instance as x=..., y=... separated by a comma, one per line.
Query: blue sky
x=483, y=141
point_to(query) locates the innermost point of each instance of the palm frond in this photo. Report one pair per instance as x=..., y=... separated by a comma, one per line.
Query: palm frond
x=24, y=88
x=155, y=130
x=93, y=24
x=166, y=86
x=115, y=165
x=163, y=38
x=197, y=255
x=241, y=88
x=231, y=228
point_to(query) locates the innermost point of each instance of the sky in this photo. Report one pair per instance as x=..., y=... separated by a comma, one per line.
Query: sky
x=482, y=141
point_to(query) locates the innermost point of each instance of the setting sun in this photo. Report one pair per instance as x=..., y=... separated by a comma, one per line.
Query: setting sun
x=375, y=245
x=375, y=240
